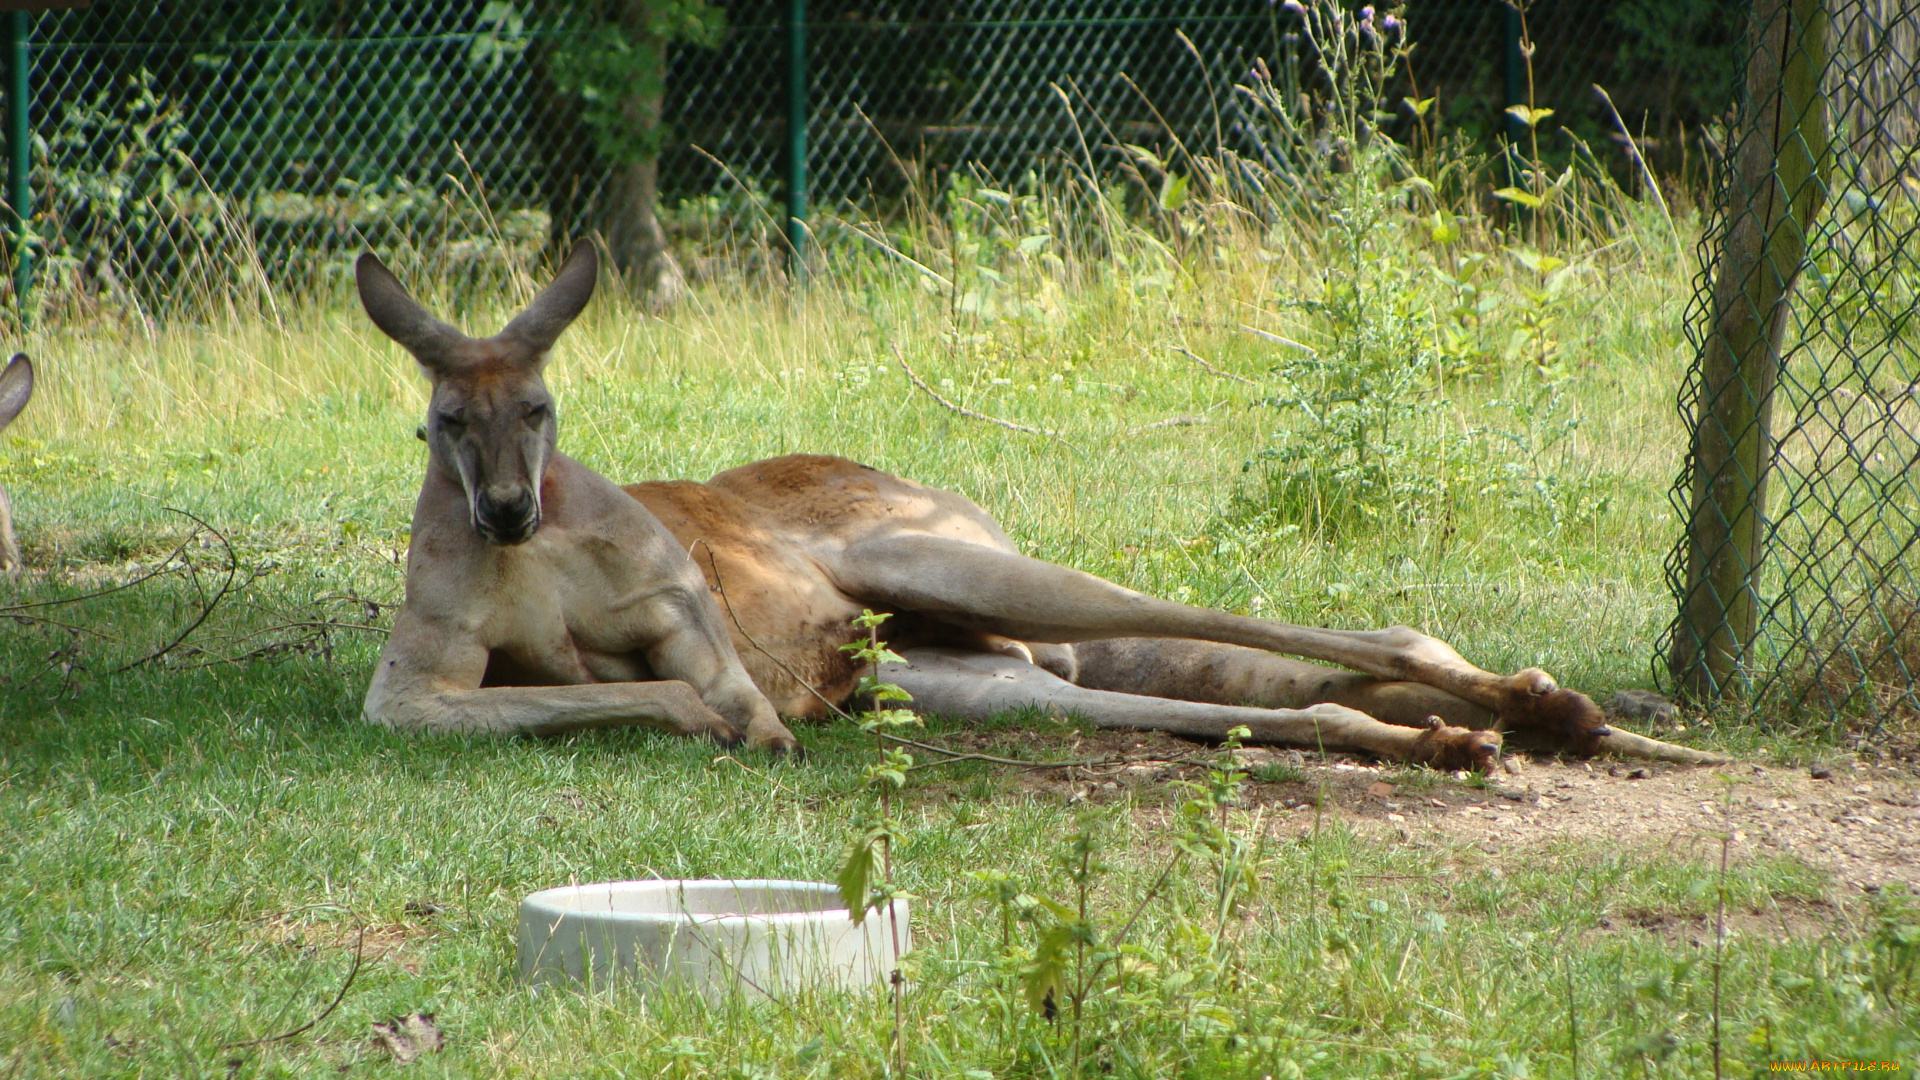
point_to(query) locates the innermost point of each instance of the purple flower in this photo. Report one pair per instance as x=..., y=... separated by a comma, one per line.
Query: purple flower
x=1392, y=23
x=1296, y=7
x=1366, y=13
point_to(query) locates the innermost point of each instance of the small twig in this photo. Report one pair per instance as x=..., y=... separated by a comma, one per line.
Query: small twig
x=358, y=945
x=1171, y=421
x=327, y=624
x=755, y=772
x=1209, y=368
x=1276, y=338
x=163, y=568
x=302, y=644
x=962, y=409
x=898, y=254
x=962, y=755
x=42, y=620
x=720, y=587
x=206, y=609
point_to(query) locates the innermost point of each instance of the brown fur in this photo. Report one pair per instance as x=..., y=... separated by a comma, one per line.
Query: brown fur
x=16, y=389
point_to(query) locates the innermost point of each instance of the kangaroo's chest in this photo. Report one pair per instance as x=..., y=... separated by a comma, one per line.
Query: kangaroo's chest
x=560, y=616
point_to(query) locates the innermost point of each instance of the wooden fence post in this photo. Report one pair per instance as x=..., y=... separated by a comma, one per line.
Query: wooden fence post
x=1777, y=183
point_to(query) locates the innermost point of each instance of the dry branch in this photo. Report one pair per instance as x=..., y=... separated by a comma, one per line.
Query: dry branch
x=962, y=409
x=1209, y=368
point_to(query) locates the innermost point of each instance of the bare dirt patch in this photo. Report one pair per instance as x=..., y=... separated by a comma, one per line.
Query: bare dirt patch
x=1861, y=823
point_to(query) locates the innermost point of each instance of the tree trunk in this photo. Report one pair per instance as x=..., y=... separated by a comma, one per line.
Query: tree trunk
x=628, y=222
x=1778, y=169
x=635, y=241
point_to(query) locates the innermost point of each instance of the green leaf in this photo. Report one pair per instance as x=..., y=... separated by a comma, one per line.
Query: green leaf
x=908, y=963
x=1538, y=263
x=1529, y=117
x=881, y=691
x=1031, y=244
x=889, y=718
x=867, y=620
x=1219, y=1015
x=856, y=880
x=880, y=774
x=1419, y=107
x=1145, y=157
x=1445, y=231
x=1060, y=911
x=1520, y=196
x=1045, y=978
x=1173, y=192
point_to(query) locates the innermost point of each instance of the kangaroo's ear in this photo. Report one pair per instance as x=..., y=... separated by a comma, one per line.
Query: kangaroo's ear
x=16, y=387
x=400, y=316
x=559, y=303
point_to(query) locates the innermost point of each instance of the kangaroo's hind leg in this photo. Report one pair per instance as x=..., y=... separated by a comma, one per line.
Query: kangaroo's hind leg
x=990, y=590
x=1236, y=675
x=977, y=685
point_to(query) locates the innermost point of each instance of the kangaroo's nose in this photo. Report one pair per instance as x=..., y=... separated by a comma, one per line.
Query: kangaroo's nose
x=507, y=516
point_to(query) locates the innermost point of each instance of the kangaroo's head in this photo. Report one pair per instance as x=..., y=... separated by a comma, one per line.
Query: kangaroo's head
x=490, y=421
x=16, y=389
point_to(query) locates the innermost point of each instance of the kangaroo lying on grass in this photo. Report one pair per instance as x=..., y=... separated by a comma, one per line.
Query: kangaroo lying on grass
x=543, y=598
x=16, y=389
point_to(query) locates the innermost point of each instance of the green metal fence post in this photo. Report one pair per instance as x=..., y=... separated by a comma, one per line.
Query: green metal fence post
x=1514, y=64
x=797, y=136
x=19, y=155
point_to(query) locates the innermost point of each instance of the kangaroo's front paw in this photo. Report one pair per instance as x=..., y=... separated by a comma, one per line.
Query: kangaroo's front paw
x=772, y=736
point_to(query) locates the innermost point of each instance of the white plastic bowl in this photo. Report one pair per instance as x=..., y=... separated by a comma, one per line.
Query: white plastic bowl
x=766, y=938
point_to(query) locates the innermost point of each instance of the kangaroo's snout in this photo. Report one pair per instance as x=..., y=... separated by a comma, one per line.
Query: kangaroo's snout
x=506, y=516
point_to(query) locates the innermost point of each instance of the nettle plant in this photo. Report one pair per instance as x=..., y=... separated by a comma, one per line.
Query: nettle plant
x=1076, y=977
x=1416, y=297
x=1354, y=391
x=866, y=878
x=1000, y=251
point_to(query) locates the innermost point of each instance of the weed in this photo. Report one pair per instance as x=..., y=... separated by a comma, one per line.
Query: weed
x=862, y=888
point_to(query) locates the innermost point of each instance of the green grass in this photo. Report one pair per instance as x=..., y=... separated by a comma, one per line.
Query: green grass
x=189, y=849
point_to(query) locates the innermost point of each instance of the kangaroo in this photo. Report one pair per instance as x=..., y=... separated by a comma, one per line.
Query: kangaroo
x=16, y=389
x=542, y=598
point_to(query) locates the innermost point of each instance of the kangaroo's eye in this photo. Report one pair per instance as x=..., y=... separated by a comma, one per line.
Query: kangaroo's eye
x=537, y=414
x=451, y=420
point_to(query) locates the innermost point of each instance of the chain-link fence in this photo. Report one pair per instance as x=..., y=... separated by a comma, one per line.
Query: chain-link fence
x=1797, y=577
x=172, y=136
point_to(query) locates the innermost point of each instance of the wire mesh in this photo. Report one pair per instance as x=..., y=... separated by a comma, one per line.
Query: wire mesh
x=175, y=137
x=1797, y=575
x=294, y=130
